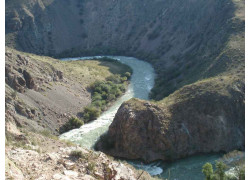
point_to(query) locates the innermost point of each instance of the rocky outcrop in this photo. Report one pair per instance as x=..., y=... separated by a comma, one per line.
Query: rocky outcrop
x=60, y=164
x=196, y=119
x=22, y=73
x=30, y=83
x=19, y=79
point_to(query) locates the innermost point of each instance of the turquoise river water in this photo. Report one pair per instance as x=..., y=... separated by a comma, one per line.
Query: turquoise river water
x=142, y=81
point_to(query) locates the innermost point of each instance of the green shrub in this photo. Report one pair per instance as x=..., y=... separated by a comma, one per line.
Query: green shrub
x=73, y=123
x=104, y=92
x=220, y=174
x=123, y=79
x=91, y=113
x=76, y=154
x=115, y=79
x=128, y=75
x=220, y=169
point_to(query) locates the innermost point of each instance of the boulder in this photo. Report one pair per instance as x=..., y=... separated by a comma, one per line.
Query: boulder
x=59, y=74
x=30, y=83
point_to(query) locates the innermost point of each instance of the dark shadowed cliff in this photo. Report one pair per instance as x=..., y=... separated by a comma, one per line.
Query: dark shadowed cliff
x=183, y=39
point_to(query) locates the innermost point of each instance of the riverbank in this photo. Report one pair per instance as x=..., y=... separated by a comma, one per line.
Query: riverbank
x=142, y=80
x=41, y=94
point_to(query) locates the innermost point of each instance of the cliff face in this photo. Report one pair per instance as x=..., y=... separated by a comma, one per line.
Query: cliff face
x=155, y=27
x=196, y=119
x=181, y=38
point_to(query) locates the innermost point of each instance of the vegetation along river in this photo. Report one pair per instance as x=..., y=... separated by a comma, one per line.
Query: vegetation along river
x=140, y=85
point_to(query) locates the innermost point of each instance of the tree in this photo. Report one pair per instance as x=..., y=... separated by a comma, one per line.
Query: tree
x=207, y=170
x=220, y=169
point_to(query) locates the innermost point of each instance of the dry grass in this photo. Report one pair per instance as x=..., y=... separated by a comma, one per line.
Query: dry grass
x=83, y=71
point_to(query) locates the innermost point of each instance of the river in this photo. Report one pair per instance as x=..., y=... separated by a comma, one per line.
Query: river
x=141, y=83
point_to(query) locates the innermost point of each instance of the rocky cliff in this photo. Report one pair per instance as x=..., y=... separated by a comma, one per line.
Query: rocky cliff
x=203, y=117
x=183, y=39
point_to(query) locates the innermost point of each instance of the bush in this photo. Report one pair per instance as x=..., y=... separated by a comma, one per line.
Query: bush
x=219, y=173
x=73, y=123
x=90, y=113
x=128, y=75
x=220, y=169
x=76, y=154
x=115, y=79
x=104, y=92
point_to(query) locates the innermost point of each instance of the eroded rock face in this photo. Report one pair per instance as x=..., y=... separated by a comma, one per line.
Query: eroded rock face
x=136, y=134
x=30, y=83
x=210, y=122
x=21, y=73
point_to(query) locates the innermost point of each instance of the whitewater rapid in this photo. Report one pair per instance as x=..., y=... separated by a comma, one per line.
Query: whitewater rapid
x=141, y=83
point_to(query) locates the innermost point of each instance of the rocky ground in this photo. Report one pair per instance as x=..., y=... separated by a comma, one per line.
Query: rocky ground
x=34, y=156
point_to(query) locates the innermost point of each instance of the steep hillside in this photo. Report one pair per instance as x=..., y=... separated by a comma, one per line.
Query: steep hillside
x=42, y=93
x=184, y=39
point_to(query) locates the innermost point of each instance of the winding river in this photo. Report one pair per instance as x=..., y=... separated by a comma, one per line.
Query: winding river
x=141, y=83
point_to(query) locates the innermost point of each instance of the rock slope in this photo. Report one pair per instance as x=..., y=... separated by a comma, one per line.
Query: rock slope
x=43, y=158
x=42, y=93
x=203, y=117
